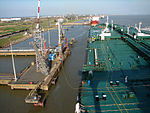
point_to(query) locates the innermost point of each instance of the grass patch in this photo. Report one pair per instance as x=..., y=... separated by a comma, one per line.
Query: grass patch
x=6, y=30
x=6, y=41
x=3, y=42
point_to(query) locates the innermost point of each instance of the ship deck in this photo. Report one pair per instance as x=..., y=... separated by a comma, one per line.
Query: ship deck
x=121, y=61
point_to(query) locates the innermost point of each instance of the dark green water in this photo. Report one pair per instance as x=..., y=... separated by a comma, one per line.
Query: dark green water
x=62, y=96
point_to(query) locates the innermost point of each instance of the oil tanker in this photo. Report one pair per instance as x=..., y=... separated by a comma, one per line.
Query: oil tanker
x=116, y=75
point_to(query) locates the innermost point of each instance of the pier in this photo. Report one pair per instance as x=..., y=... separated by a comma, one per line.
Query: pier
x=5, y=78
x=30, y=52
x=80, y=23
x=30, y=78
x=19, y=52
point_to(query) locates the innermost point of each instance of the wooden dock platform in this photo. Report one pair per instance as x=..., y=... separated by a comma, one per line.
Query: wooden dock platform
x=5, y=78
x=30, y=78
x=20, y=52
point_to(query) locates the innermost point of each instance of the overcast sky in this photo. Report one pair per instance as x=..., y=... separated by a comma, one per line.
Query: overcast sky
x=21, y=8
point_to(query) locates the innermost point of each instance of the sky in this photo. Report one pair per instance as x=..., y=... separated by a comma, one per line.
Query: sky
x=25, y=8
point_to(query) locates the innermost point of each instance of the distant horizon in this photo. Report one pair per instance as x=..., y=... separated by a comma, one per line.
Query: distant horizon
x=28, y=8
x=79, y=15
